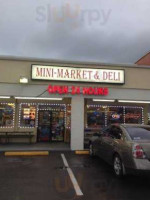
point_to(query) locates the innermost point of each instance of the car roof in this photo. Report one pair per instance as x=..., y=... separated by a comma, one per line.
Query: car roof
x=134, y=125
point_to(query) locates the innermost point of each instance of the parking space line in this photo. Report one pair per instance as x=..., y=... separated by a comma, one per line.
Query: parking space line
x=72, y=177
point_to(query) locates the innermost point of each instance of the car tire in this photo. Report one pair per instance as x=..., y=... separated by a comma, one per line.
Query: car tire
x=91, y=151
x=118, y=166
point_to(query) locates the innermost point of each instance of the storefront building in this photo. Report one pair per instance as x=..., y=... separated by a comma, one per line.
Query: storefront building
x=68, y=102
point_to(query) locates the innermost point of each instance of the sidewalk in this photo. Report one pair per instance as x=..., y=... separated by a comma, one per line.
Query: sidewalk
x=35, y=147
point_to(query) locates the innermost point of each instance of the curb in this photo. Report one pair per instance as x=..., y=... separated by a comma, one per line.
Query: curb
x=26, y=153
x=82, y=152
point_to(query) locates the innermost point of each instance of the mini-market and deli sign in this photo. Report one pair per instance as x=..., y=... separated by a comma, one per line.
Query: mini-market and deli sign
x=75, y=74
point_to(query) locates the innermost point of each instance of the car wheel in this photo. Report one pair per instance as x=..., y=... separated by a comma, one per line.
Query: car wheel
x=118, y=166
x=91, y=150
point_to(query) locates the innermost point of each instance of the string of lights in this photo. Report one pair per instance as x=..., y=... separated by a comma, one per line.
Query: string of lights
x=45, y=107
x=106, y=107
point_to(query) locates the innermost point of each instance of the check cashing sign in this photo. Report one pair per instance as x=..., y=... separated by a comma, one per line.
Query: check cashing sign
x=75, y=74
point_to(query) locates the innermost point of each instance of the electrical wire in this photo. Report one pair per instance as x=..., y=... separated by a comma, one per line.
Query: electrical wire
x=41, y=93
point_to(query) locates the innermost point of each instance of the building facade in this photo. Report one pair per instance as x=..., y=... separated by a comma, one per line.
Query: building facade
x=68, y=101
x=144, y=60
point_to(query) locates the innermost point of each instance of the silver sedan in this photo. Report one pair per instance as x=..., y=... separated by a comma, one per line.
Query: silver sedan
x=126, y=147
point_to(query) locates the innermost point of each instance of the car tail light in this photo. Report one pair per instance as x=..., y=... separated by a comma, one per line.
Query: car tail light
x=138, y=151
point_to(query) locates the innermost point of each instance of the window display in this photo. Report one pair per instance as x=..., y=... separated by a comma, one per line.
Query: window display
x=95, y=117
x=7, y=115
x=95, y=120
x=68, y=116
x=68, y=124
x=115, y=115
x=98, y=116
x=133, y=116
x=28, y=115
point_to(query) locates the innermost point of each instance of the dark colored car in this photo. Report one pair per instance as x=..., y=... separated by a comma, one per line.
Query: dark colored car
x=126, y=147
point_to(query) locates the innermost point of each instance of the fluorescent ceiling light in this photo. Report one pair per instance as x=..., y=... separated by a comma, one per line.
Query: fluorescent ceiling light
x=39, y=98
x=104, y=100
x=128, y=101
x=4, y=97
x=23, y=80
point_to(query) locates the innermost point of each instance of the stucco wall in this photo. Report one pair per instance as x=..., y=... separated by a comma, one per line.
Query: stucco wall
x=11, y=71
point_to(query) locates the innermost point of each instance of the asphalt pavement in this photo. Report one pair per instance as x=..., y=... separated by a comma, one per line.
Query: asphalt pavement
x=47, y=178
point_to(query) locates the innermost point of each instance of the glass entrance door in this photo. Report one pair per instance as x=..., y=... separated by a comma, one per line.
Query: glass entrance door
x=44, y=133
x=51, y=125
x=58, y=125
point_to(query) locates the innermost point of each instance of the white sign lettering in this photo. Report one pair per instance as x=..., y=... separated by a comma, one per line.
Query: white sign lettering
x=77, y=74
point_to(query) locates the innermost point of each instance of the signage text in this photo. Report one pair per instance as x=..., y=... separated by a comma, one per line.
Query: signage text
x=56, y=89
x=77, y=74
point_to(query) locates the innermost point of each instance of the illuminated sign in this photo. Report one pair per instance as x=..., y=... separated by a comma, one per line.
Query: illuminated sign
x=133, y=115
x=56, y=89
x=116, y=116
x=76, y=74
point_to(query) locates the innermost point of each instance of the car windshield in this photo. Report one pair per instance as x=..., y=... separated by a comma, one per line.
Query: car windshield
x=139, y=133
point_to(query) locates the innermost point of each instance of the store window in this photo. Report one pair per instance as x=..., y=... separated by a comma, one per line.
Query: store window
x=95, y=117
x=7, y=111
x=68, y=116
x=94, y=121
x=133, y=115
x=98, y=116
x=68, y=123
x=115, y=115
x=27, y=115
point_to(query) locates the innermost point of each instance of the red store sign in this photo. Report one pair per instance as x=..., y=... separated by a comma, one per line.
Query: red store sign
x=59, y=89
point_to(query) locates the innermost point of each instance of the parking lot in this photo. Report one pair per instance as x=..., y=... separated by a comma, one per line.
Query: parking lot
x=44, y=178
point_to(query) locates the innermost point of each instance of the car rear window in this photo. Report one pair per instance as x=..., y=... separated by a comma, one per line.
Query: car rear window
x=139, y=133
